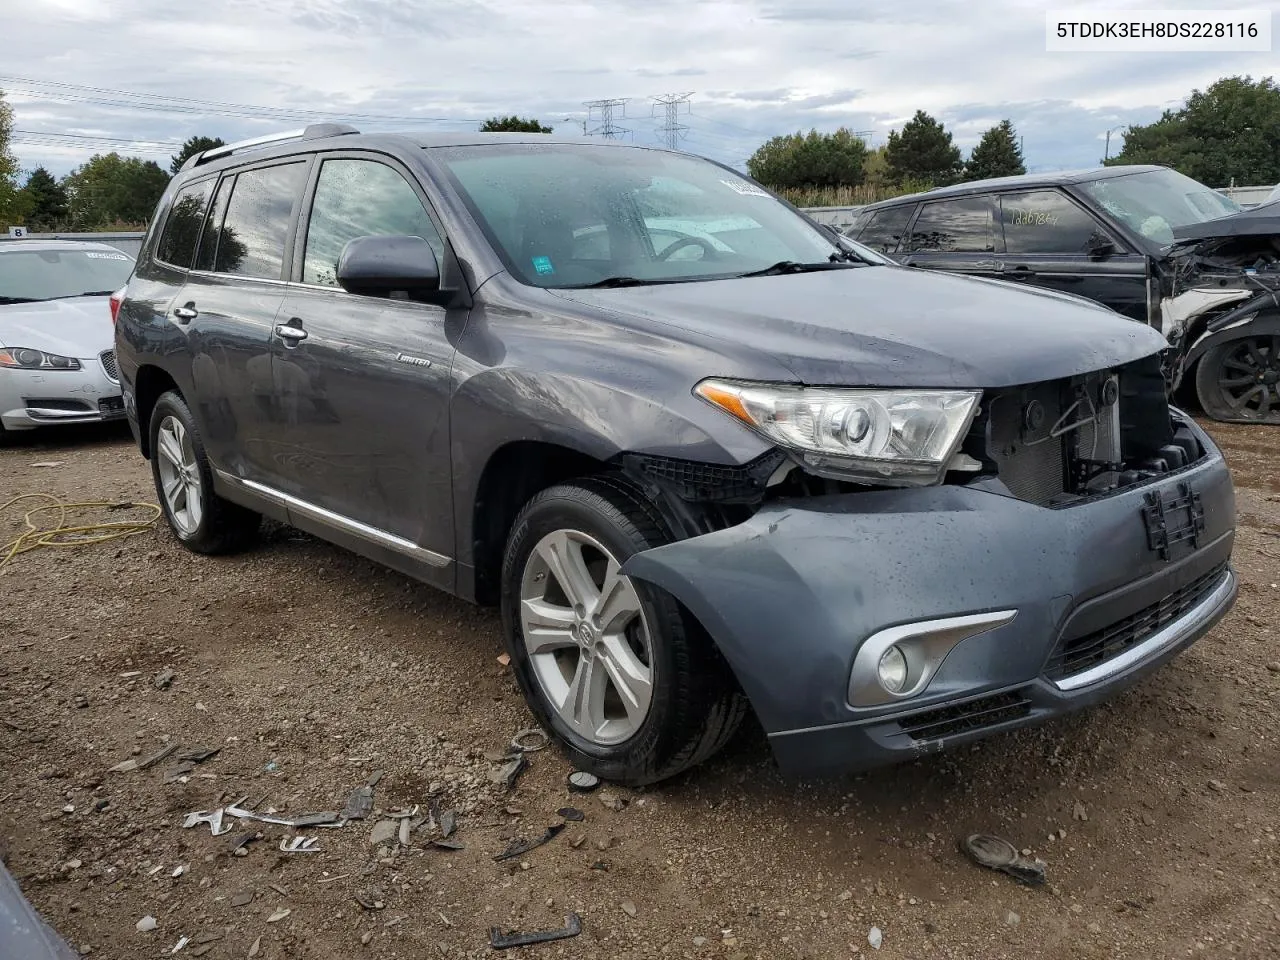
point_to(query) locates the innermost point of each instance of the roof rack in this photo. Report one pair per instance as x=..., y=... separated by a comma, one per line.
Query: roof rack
x=315, y=131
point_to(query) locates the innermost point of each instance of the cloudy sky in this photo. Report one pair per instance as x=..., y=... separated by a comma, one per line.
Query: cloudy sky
x=142, y=75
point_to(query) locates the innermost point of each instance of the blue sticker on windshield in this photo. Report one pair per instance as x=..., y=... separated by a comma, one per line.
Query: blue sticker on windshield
x=543, y=265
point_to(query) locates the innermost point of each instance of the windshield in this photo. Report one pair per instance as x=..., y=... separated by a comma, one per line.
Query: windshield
x=28, y=275
x=1154, y=203
x=567, y=215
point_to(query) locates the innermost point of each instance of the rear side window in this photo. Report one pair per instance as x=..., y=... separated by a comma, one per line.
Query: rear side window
x=883, y=230
x=257, y=222
x=182, y=227
x=360, y=198
x=963, y=225
x=206, y=255
x=1045, y=221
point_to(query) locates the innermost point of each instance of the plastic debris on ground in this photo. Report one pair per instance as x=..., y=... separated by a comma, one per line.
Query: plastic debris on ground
x=995, y=853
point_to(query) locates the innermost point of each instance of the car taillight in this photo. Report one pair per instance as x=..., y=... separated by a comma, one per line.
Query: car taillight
x=117, y=298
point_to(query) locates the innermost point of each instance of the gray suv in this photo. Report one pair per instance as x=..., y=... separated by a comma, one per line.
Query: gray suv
x=704, y=455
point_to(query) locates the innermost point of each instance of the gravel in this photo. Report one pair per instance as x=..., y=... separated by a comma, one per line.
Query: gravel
x=319, y=669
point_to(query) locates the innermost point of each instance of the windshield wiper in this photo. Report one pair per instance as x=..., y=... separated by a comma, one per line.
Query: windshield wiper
x=793, y=266
x=615, y=282
x=87, y=293
x=19, y=299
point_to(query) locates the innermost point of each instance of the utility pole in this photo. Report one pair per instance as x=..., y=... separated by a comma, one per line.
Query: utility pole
x=607, y=129
x=1106, y=152
x=672, y=130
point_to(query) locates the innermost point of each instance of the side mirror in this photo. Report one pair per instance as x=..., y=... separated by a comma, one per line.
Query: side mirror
x=380, y=266
x=1101, y=246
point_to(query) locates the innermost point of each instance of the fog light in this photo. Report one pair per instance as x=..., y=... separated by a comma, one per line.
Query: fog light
x=892, y=670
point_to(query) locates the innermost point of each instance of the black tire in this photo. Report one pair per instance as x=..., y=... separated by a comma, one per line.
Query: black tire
x=223, y=526
x=1239, y=381
x=696, y=705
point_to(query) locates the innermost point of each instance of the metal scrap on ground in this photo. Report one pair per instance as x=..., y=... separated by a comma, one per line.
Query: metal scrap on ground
x=518, y=847
x=505, y=941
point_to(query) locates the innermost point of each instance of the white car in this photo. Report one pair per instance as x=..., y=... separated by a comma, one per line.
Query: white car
x=57, y=363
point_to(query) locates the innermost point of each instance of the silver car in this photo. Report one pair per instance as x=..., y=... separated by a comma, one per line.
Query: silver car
x=56, y=359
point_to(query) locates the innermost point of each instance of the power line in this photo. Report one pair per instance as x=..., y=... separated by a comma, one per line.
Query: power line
x=730, y=126
x=108, y=96
x=607, y=129
x=672, y=129
x=95, y=137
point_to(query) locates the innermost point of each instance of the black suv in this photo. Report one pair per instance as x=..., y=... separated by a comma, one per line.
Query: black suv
x=702, y=453
x=1146, y=241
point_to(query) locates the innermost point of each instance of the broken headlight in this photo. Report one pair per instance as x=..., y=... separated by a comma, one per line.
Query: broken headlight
x=900, y=438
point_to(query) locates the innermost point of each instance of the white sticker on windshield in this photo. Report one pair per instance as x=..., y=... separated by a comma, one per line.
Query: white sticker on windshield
x=744, y=188
x=94, y=255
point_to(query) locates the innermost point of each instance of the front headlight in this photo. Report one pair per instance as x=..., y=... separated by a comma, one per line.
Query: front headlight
x=889, y=437
x=28, y=358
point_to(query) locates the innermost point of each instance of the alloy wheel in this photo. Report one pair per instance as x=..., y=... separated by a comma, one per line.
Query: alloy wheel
x=179, y=475
x=587, y=637
x=1249, y=378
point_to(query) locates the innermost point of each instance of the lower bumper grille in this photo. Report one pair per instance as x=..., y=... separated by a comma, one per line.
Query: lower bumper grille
x=1077, y=654
x=974, y=715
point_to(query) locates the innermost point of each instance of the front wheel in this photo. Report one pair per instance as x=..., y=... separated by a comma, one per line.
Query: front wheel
x=1239, y=381
x=626, y=679
x=202, y=520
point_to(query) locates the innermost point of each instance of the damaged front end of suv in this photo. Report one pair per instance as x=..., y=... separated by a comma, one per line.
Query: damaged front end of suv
x=1219, y=308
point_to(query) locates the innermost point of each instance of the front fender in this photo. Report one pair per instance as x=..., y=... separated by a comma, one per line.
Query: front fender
x=1250, y=325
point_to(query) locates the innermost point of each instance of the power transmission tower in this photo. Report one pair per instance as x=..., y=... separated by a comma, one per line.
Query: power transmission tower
x=672, y=130
x=604, y=108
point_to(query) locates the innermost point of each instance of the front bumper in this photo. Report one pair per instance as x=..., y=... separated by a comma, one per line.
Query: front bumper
x=37, y=398
x=790, y=595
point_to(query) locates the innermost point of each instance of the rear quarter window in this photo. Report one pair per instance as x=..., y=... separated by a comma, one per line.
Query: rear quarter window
x=177, y=246
x=882, y=230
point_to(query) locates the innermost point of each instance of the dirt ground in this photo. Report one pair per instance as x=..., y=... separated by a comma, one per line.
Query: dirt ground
x=309, y=669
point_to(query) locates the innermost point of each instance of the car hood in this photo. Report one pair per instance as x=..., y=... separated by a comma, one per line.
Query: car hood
x=892, y=326
x=1260, y=221
x=75, y=327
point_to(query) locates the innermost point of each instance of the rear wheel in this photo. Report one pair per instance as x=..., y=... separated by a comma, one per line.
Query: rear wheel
x=627, y=680
x=202, y=520
x=1239, y=381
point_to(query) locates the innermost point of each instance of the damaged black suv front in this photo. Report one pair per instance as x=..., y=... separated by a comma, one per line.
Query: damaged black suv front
x=1213, y=285
x=1222, y=312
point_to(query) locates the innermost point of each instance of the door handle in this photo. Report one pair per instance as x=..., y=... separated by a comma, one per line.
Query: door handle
x=186, y=313
x=1020, y=272
x=289, y=332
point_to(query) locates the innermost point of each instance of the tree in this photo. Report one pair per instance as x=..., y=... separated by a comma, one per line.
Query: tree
x=193, y=146
x=110, y=189
x=12, y=203
x=810, y=159
x=923, y=152
x=46, y=201
x=1229, y=131
x=513, y=124
x=996, y=155
x=875, y=169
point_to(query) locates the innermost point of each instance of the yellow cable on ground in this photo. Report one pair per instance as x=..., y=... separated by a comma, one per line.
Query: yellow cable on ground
x=77, y=535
